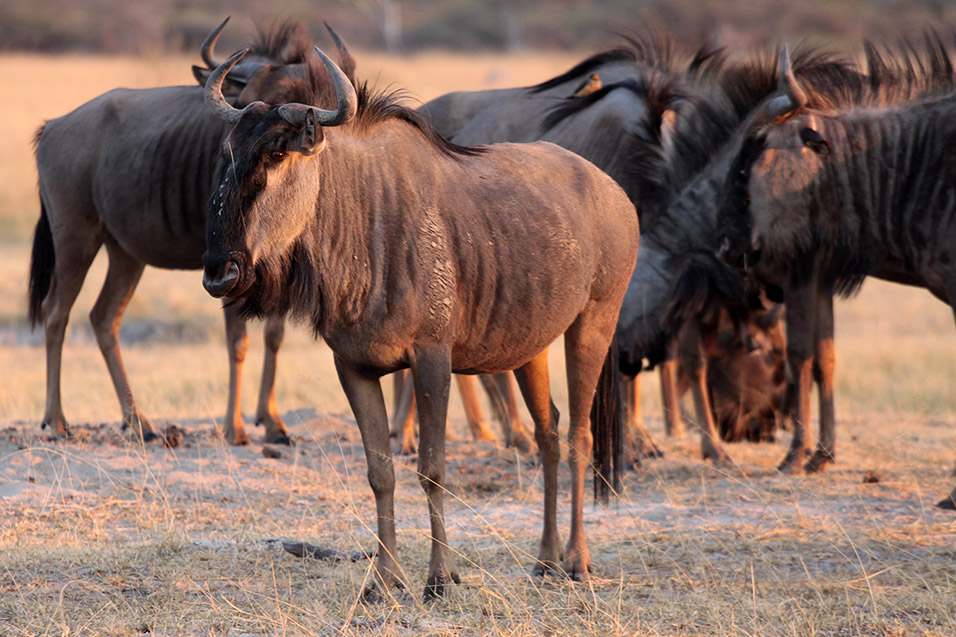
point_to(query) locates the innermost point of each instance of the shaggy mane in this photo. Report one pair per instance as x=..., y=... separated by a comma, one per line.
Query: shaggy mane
x=583, y=68
x=659, y=174
x=375, y=106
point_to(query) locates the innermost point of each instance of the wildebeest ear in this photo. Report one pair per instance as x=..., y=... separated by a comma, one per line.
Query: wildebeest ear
x=813, y=141
x=230, y=86
x=311, y=139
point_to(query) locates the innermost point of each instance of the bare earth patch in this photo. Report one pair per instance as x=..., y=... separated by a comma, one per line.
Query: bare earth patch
x=105, y=536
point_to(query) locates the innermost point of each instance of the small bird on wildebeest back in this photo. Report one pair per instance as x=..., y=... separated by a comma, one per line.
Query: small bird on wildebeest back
x=590, y=85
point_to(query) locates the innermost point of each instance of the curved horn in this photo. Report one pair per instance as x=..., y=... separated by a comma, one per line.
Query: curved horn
x=213, y=91
x=346, y=62
x=792, y=96
x=210, y=43
x=294, y=113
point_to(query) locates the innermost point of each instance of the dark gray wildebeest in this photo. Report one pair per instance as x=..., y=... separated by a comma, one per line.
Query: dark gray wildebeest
x=600, y=124
x=683, y=168
x=132, y=169
x=406, y=251
x=832, y=195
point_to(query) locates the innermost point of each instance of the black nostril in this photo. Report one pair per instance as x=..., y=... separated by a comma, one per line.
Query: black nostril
x=220, y=281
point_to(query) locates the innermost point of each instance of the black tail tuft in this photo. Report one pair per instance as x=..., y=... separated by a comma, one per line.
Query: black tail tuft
x=607, y=423
x=42, y=262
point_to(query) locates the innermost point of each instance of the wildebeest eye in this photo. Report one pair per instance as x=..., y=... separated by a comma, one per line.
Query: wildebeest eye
x=813, y=141
x=277, y=155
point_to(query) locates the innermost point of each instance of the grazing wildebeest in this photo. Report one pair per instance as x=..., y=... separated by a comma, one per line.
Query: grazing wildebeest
x=734, y=336
x=404, y=250
x=820, y=198
x=601, y=126
x=685, y=165
x=132, y=169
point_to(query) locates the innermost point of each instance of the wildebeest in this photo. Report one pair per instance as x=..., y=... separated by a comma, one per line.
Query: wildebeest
x=820, y=198
x=406, y=251
x=680, y=169
x=600, y=125
x=132, y=169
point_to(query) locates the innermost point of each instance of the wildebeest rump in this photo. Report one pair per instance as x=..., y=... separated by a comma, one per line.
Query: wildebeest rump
x=601, y=126
x=404, y=250
x=823, y=197
x=132, y=169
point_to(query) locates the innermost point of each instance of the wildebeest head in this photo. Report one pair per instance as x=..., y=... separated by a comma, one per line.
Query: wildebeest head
x=781, y=154
x=276, y=65
x=269, y=184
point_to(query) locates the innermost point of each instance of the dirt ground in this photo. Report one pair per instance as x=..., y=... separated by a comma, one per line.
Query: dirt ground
x=104, y=535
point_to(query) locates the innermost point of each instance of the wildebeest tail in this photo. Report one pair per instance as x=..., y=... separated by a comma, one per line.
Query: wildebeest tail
x=607, y=423
x=704, y=288
x=42, y=262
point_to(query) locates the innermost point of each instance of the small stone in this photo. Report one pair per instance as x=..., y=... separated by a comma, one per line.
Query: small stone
x=871, y=477
x=271, y=452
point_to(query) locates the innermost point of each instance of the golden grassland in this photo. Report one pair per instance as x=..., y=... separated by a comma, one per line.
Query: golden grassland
x=102, y=536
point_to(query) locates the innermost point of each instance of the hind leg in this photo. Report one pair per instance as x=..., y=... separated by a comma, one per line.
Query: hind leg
x=694, y=361
x=586, y=345
x=501, y=392
x=475, y=415
x=73, y=260
x=121, y=279
x=638, y=438
x=533, y=379
x=670, y=394
x=403, y=414
x=266, y=413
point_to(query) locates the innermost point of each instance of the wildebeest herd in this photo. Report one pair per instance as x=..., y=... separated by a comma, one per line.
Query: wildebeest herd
x=466, y=236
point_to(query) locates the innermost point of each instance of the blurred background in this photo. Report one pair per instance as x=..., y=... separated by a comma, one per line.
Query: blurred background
x=162, y=26
x=895, y=345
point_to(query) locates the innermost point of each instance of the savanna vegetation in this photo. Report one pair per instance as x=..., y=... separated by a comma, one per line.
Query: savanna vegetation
x=102, y=535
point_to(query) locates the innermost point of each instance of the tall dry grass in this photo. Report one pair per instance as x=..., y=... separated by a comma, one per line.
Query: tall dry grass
x=102, y=536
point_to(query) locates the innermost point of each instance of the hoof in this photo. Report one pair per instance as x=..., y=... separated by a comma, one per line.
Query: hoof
x=524, y=444
x=793, y=462
x=948, y=504
x=543, y=567
x=149, y=436
x=439, y=585
x=578, y=572
x=279, y=439
x=818, y=462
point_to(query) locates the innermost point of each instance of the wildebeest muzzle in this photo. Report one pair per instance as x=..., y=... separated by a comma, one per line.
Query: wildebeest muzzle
x=223, y=274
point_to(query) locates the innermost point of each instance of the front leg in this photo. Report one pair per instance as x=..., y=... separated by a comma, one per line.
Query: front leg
x=800, y=334
x=823, y=368
x=368, y=405
x=431, y=373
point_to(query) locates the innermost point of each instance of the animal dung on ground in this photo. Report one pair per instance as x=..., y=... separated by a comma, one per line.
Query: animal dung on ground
x=270, y=452
x=871, y=477
x=315, y=552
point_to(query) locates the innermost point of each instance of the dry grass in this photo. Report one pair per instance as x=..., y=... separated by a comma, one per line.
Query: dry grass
x=101, y=536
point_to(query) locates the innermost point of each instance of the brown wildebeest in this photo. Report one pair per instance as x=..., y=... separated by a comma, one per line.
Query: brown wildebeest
x=600, y=125
x=820, y=198
x=404, y=250
x=680, y=167
x=131, y=169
